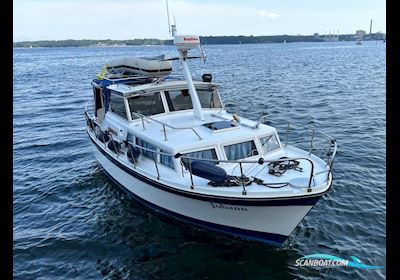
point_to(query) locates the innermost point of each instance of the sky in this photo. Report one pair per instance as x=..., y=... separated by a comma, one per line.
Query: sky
x=130, y=19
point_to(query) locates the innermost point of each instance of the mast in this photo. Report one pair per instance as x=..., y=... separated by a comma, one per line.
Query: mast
x=183, y=44
x=169, y=25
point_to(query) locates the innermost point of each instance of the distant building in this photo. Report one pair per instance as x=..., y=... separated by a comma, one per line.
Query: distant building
x=316, y=36
x=378, y=36
x=331, y=36
x=360, y=34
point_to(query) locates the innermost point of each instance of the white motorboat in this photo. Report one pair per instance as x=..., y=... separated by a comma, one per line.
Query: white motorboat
x=172, y=145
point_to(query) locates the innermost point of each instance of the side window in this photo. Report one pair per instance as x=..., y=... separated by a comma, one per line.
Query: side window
x=148, y=104
x=269, y=143
x=130, y=137
x=205, y=154
x=166, y=160
x=147, y=145
x=117, y=105
x=241, y=150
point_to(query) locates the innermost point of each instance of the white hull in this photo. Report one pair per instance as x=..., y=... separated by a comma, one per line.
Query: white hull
x=270, y=224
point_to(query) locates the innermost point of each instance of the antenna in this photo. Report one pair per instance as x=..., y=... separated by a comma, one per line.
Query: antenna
x=169, y=25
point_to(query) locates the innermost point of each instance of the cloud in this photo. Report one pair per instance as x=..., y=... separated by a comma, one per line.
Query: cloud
x=264, y=14
x=272, y=15
x=122, y=19
x=96, y=19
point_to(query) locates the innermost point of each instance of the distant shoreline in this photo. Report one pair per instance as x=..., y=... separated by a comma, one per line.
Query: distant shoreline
x=206, y=40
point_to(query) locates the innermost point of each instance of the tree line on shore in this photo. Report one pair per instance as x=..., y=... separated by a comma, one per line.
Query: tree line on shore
x=205, y=40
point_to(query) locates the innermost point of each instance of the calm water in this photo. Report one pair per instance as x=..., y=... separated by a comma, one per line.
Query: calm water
x=71, y=221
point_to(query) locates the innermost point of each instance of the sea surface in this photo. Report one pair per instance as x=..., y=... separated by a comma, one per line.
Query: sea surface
x=72, y=222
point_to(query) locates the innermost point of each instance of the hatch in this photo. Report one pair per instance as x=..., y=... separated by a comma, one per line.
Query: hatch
x=220, y=126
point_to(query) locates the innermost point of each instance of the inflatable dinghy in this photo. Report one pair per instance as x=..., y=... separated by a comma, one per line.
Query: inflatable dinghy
x=154, y=67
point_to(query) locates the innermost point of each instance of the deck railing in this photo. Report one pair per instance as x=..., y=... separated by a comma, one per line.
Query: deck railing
x=189, y=160
x=243, y=176
x=164, y=125
x=89, y=108
x=330, y=152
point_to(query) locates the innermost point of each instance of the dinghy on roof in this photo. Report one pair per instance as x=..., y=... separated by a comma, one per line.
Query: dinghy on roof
x=152, y=67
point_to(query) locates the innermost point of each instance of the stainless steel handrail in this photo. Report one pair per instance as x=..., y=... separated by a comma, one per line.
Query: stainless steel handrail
x=260, y=120
x=130, y=143
x=164, y=125
x=333, y=141
x=240, y=162
x=89, y=106
x=227, y=103
x=332, y=149
x=263, y=118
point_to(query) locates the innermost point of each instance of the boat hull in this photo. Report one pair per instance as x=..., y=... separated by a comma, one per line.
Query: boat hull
x=269, y=221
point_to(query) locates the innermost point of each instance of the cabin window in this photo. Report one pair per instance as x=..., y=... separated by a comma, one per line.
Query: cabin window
x=117, y=106
x=205, y=154
x=97, y=100
x=269, y=143
x=241, y=150
x=180, y=99
x=130, y=137
x=147, y=145
x=209, y=98
x=166, y=160
x=146, y=104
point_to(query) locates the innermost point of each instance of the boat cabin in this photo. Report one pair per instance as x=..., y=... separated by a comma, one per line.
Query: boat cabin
x=159, y=116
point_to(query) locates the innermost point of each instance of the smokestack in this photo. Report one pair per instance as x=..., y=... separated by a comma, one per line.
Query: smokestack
x=370, y=28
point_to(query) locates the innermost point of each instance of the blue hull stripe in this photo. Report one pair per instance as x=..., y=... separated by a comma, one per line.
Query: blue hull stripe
x=265, y=237
x=308, y=200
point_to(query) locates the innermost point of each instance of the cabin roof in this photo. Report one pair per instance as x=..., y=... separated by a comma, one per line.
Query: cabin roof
x=127, y=90
x=185, y=139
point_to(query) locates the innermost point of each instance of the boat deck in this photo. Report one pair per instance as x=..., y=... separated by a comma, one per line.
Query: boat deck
x=320, y=182
x=182, y=180
x=182, y=137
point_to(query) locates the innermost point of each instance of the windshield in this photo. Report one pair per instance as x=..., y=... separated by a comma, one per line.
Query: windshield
x=147, y=104
x=181, y=100
x=269, y=143
x=241, y=150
